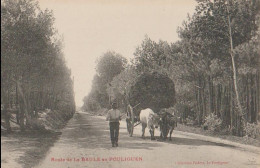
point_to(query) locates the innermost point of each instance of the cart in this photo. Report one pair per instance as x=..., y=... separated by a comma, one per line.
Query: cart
x=132, y=120
x=150, y=90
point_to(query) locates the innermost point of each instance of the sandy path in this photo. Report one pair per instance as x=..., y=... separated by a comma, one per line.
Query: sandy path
x=87, y=137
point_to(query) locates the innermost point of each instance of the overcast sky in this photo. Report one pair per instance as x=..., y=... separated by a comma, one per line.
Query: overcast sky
x=93, y=27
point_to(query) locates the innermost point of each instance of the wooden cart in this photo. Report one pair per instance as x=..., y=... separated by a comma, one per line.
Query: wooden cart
x=132, y=120
x=150, y=90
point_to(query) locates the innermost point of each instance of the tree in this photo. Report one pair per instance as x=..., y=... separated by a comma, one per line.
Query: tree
x=217, y=28
x=108, y=66
x=152, y=56
x=121, y=84
x=33, y=70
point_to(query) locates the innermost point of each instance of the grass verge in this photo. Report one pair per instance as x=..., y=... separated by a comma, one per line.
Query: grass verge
x=198, y=130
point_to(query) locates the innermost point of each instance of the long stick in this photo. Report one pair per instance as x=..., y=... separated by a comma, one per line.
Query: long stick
x=136, y=105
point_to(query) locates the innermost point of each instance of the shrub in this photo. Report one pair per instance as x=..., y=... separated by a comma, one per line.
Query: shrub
x=252, y=130
x=212, y=122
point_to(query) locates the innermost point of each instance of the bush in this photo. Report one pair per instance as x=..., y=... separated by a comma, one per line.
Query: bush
x=189, y=121
x=50, y=120
x=252, y=130
x=212, y=123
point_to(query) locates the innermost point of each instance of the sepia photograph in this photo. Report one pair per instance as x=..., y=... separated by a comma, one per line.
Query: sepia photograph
x=130, y=83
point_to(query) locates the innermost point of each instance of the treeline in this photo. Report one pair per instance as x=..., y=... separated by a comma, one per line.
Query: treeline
x=109, y=65
x=215, y=66
x=34, y=75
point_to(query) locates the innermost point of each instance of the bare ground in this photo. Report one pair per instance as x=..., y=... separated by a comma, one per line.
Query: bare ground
x=85, y=143
x=87, y=137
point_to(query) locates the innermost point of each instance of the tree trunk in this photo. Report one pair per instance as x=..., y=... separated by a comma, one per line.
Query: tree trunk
x=7, y=116
x=210, y=95
x=21, y=116
x=6, y=108
x=24, y=103
x=235, y=71
x=253, y=94
x=231, y=109
x=257, y=96
x=199, y=103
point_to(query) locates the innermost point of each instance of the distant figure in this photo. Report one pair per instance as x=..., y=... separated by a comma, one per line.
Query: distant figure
x=114, y=116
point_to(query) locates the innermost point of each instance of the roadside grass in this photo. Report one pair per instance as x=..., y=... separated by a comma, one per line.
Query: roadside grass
x=32, y=146
x=199, y=130
x=26, y=149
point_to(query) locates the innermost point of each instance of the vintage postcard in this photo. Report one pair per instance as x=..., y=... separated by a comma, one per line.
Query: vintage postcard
x=130, y=83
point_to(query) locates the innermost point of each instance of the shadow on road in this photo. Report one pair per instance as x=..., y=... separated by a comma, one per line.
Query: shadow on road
x=137, y=142
x=194, y=142
x=93, y=133
x=34, y=144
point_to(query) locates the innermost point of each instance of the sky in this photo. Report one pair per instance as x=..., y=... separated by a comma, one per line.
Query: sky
x=92, y=27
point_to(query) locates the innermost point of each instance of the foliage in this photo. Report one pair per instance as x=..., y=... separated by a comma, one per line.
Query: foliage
x=218, y=38
x=121, y=84
x=252, y=130
x=212, y=122
x=214, y=66
x=91, y=102
x=248, y=54
x=108, y=66
x=33, y=70
x=151, y=55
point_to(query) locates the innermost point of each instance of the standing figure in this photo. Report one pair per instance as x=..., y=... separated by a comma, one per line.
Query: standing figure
x=114, y=116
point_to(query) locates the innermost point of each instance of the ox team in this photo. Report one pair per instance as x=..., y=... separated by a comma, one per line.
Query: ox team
x=147, y=118
x=165, y=120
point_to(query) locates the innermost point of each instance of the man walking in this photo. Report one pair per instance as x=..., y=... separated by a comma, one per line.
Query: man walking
x=113, y=116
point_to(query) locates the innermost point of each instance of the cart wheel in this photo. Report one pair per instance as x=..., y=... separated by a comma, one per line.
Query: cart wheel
x=130, y=127
x=130, y=120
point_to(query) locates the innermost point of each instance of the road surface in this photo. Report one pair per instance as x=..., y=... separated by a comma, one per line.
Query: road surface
x=85, y=143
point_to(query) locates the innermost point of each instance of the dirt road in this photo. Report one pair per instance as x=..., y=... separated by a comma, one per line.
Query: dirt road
x=85, y=143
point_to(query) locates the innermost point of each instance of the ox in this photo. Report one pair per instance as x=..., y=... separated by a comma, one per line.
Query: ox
x=148, y=118
x=167, y=124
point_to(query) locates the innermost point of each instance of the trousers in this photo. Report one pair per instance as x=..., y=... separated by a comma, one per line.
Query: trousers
x=114, y=131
